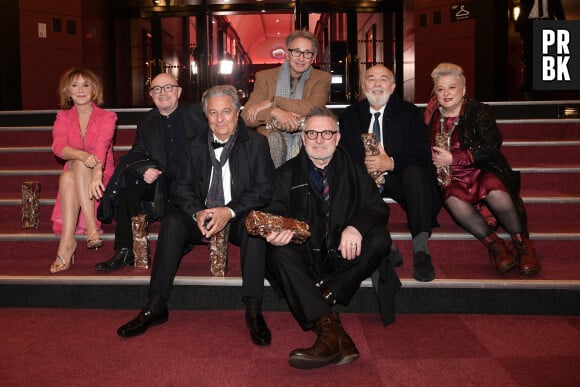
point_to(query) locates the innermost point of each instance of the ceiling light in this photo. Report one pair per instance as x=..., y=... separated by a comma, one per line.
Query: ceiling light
x=278, y=53
x=226, y=66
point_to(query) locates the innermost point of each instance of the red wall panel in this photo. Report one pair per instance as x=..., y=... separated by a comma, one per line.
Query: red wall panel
x=445, y=42
x=44, y=60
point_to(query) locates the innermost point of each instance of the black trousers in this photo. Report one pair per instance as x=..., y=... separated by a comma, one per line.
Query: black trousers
x=129, y=205
x=414, y=189
x=291, y=267
x=178, y=230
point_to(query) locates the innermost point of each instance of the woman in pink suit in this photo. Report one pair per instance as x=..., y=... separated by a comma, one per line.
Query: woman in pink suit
x=82, y=136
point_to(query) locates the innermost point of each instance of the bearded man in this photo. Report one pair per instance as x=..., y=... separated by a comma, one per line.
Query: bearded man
x=404, y=158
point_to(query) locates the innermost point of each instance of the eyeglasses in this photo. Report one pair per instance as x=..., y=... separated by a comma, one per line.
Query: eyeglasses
x=295, y=52
x=166, y=88
x=326, y=134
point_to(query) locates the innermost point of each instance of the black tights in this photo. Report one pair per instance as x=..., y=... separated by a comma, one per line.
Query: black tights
x=501, y=205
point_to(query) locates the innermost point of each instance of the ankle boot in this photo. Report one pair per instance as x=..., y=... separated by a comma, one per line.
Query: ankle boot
x=333, y=345
x=526, y=254
x=499, y=252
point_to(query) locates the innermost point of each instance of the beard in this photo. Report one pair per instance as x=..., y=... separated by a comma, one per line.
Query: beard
x=377, y=100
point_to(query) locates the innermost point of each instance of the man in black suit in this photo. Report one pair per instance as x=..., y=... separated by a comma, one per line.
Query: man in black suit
x=347, y=217
x=531, y=10
x=152, y=163
x=404, y=159
x=227, y=173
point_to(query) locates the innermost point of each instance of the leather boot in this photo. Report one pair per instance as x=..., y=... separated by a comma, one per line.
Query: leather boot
x=526, y=254
x=333, y=345
x=499, y=252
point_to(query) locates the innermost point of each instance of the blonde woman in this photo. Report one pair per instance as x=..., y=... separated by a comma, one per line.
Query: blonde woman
x=477, y=172
x=82, y=137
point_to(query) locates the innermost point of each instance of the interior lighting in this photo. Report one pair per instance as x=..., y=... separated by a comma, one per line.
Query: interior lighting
x=226, y=66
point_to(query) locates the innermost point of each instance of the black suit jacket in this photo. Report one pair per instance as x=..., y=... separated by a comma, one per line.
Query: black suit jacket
x=355, y=200
x=149, y=138
x=405, y=136
x=251, y=167
x=148, y=151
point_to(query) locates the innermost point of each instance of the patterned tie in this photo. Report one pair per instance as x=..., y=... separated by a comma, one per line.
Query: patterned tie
x=377, y=127
x=325, y=188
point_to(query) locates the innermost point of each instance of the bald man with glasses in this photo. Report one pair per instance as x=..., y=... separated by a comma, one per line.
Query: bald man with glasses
x=143, y=177
x=283, y=95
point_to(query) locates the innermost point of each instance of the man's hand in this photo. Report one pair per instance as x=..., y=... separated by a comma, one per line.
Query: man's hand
x=379, y=163
x=350, y=243
x=257, y=108
x=213, y=220
x=151, y=175
x=290, y=122
x=280, y=238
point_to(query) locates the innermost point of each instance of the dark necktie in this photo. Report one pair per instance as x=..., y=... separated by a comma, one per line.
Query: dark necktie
x=377, y=127
x=540, y=9
x=325, y=188
x=215, y=144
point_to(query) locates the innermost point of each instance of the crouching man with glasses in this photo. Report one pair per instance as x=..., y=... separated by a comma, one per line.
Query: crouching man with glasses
x=282, y=96
x=337, y=198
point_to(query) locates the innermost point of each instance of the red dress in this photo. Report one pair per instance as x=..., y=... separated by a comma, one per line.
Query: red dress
x=468, y=183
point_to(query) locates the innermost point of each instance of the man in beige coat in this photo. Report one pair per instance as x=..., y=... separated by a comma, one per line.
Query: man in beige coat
x=283, y=96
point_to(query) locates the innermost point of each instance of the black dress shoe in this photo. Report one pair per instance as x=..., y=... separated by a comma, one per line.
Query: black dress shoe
x=122, y=257
x=423, y=267
x=395, y=258
x=259, y=331
x=144, y=320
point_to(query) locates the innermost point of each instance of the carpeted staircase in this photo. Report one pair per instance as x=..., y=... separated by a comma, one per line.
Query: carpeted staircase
x=545, y=147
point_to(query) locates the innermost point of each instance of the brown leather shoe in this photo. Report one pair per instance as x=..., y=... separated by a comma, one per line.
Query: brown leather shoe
x=526, y=254
x=349, y=351
x=333, y=345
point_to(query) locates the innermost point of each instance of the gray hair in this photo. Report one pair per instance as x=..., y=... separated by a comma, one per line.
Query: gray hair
x=321, y=111
x=220, y=91
x=444, y=69
x=302, y=34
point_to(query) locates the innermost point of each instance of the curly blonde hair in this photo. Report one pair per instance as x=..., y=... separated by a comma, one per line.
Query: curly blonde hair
x=68, y=78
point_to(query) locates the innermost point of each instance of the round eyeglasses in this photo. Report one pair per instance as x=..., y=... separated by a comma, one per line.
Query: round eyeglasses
x=295, y=52
x=166, y=88
x=313, y=134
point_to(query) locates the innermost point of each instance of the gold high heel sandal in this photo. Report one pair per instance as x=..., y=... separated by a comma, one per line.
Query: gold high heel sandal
x=62, y=266
x=94, y=241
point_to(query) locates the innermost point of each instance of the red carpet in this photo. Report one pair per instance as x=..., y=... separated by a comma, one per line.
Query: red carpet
x=81, y=348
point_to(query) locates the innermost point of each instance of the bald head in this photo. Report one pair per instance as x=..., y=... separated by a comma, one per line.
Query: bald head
x=165, y=93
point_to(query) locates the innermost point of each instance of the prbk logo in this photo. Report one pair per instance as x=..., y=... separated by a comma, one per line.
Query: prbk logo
x=556, y=55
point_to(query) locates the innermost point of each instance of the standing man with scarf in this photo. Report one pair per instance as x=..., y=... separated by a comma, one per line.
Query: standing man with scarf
x=206, y=200
x=283, y=96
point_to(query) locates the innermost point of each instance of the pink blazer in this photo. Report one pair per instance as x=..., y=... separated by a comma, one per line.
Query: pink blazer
x=98, y=140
